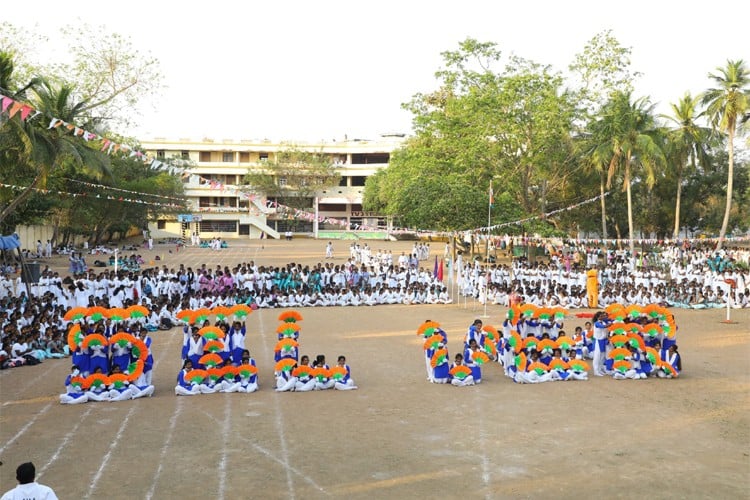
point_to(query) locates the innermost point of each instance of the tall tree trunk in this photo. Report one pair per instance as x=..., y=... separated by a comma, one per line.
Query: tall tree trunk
x=604, y=206
x=730, y=182
x=630, y=205
x=676, y=232
x=21, y=197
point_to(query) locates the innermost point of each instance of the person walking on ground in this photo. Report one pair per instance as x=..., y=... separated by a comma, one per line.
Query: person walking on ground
x=28, y=488
x=329, y=250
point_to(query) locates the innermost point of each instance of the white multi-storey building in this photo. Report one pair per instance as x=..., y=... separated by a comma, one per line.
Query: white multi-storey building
x=218, y=206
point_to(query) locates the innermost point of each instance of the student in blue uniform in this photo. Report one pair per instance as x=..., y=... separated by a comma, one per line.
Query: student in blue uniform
x=73, y=393
x=184, y=387
x=346, y=383
x=458, y=360
x=237, y=341
x=476, y=370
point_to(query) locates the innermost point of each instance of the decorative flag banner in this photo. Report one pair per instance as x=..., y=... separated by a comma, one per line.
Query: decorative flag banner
x=101, y=186
x=98, y=196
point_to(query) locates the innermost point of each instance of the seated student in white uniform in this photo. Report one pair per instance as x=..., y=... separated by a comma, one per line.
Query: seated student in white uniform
x=305, y=382
x=185, y=387
x=285, y=380
x=457, y=381
x=73, y=391
x=346, y=383
x=119, y=391
x=98, y=392
x=325, y=382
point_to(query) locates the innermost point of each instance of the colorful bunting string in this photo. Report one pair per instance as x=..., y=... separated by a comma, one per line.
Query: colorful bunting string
x=88, y=195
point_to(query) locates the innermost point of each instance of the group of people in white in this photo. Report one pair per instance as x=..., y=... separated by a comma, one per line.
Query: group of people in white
x=677, y=277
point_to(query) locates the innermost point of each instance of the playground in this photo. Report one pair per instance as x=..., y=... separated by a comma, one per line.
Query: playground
x=398, y=436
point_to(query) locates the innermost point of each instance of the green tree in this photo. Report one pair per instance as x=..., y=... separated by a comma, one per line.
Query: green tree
x=43, y=150
x=485, y=122
x=686, y=145
x=294, y=177
x=726, y=105
x=626, y=133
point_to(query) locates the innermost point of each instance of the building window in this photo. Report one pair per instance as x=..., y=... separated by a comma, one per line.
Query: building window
x=161, y=224
x=244, y=157
x=218, y=226
x=358, y=180
x=205, y=156
x=227, y=157
x=186, y=155
x=263, y=156
x=342, y=181
x=160, y=154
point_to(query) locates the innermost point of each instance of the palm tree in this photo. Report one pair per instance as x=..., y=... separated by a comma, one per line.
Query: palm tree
x=626, y=133
x=686, y=143
x=725, y=105
x=41, y=150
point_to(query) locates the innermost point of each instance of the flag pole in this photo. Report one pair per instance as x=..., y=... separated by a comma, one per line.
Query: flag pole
x=489, y=223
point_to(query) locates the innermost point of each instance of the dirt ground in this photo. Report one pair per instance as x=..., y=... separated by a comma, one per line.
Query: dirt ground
x=398, y=436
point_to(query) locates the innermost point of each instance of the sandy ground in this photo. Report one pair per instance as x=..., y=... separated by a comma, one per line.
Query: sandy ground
x=397, y=436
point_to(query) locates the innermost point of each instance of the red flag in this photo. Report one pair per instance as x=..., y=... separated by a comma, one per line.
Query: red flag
x=440, y=271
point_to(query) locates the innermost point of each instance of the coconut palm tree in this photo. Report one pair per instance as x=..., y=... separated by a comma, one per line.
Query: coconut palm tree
x=626, y=133
x=42, y=150
x=687, y=142
x=726, y=106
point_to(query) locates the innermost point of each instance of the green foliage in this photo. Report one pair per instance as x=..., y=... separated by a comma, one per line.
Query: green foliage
x=294, y=175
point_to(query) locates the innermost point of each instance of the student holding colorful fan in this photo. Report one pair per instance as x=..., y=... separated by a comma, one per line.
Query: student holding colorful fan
x=460, y=374
x=73, y=388
x=342, y=376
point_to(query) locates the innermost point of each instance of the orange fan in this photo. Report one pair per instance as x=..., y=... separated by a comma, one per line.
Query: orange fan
x=528, y=309
x=439, y=357
x=231, y=371
x=619, y=353
x=543, y=313
x=668, y=369
x=95, y=380
x=558, y=364
x=460, y=372
x=196, y=375
x=614, y=309
x=337, y=372
x=247, y=370
x=240, y=310
x=211, y=332
x=564, y=343
x=618, y=328
x=652, y=356
x=302, y=371
x=515, y=341
x=287, y=329
x=77, y=381
x=121, y=338
x=200, y=315
x=134, y=370
x=117, y=314
x=578, y=365
x=652, y=330
x=559, y=312
x=636, y=341
x=119, y=380
x=97, y=312
x=140, y=350
x=427, y=325
x=670, y=330
x=215, y=374
x=210, y=359
x=285, y=345
x=491, y=332
x=521, y=361
x=93, y=339
x=633, y=310
x=213, y=346
x=136, y=311
x=76, y=313
x=433, y=342
x=619, y=340
x=75, y=337
x=221, y=312
x=185, y=315
x=321, y=373
x=490, y=349
x=290, y=317
x=539, y=368
x=285, y=365
x=480, y=358
x=633, y=328
x=530, y=342
x=621, y=366
x=546, y=345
